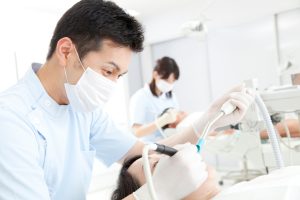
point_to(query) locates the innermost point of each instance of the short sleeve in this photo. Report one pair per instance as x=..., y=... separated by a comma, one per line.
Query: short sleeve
x=110, y=140
x=21, y=176
x=138, y=110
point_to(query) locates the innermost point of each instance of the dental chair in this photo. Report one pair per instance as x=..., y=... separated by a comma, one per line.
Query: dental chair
x=243, y=148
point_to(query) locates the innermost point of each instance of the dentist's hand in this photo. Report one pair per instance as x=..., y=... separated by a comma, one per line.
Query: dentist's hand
x=176, y=177
x=239, y=96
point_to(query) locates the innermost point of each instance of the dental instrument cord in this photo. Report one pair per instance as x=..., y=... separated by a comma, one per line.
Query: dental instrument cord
x=228, y=108
x=147, y=170
x=288, y=134
x=271, y=131
x=206, y=130
x=287, y=130
x=146, y=165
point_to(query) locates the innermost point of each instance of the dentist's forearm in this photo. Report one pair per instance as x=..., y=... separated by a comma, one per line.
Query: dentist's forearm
x=190, y=134
x=144, y=130
x=187, y=135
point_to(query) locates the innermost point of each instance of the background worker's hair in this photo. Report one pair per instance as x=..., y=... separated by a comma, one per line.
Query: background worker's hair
x=165, y=67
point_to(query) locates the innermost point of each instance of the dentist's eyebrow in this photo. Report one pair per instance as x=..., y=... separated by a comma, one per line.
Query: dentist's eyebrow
x=115, y=65
x=118, y=68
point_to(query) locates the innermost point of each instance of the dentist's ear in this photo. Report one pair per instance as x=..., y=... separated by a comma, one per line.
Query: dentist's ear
x=64, y=47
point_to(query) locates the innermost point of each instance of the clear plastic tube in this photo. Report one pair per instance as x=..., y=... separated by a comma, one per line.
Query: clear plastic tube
x=207, y=129
x=147, y=170
x=271, y=131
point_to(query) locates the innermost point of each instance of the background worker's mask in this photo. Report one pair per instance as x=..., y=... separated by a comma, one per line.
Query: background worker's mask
x=91, y=91
x=164, y=86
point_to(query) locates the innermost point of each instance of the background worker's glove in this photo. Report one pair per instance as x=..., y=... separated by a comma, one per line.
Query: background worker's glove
x=239, y=96
x=168, y=117
x=176, y=177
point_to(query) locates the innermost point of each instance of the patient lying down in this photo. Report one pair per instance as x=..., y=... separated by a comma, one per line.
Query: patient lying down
x=281, y=184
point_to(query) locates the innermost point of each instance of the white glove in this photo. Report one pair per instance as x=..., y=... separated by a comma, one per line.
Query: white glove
x=239, y=96
x=176, y=177
x=167, y=118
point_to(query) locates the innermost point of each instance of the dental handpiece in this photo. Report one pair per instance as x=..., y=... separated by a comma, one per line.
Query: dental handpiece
x=163, y=149
x=226, y=109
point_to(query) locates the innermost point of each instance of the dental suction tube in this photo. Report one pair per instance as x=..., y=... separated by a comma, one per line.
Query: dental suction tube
x=271, y=131
x=158, y=148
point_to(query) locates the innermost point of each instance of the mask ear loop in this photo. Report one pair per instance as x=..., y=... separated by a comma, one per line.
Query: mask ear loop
x=79, y=58
x=79, y=62
x=66, y=74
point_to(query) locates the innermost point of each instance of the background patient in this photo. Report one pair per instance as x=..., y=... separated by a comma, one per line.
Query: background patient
x=132, y=177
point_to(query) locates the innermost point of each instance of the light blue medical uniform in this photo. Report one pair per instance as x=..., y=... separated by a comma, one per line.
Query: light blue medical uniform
x=145, y=108
x=46, y=149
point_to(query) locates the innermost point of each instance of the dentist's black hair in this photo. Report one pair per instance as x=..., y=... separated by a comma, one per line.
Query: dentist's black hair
x=127, y=184
x=165, y=67
x=89, y=22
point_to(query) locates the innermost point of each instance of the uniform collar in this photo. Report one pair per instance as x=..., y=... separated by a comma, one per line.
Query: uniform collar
x=40, y=96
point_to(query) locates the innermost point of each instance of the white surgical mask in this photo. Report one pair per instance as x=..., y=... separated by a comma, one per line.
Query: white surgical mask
x=91, y=91
x=164, y=86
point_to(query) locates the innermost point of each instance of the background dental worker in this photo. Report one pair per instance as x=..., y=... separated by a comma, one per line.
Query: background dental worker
x=149, y=102
x=52, y=122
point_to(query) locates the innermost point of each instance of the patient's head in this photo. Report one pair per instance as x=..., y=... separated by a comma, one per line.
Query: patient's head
x=127, y=184
x=132, y=177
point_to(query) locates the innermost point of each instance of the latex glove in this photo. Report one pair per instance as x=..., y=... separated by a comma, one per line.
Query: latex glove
x=167, y=118
x=176, y=177
x=239, y=96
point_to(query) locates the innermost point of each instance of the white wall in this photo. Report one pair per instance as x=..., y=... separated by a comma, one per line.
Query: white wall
x=25, y=36
x=193, y=86
x=243, y=52
x=8, y=73
x=289, y=38
x=135, y=77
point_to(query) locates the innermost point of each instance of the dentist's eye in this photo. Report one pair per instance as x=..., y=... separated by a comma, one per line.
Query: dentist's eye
x=107, y=72
x=119, y=76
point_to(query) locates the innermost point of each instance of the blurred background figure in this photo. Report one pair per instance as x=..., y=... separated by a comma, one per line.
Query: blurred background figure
x=155, y=105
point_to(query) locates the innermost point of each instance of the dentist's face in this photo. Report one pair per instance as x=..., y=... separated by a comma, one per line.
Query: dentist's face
x=111, y=61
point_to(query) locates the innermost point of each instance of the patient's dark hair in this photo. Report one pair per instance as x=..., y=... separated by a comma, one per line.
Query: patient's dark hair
x=127, y=184
x=89, y=22
x=165, y=67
